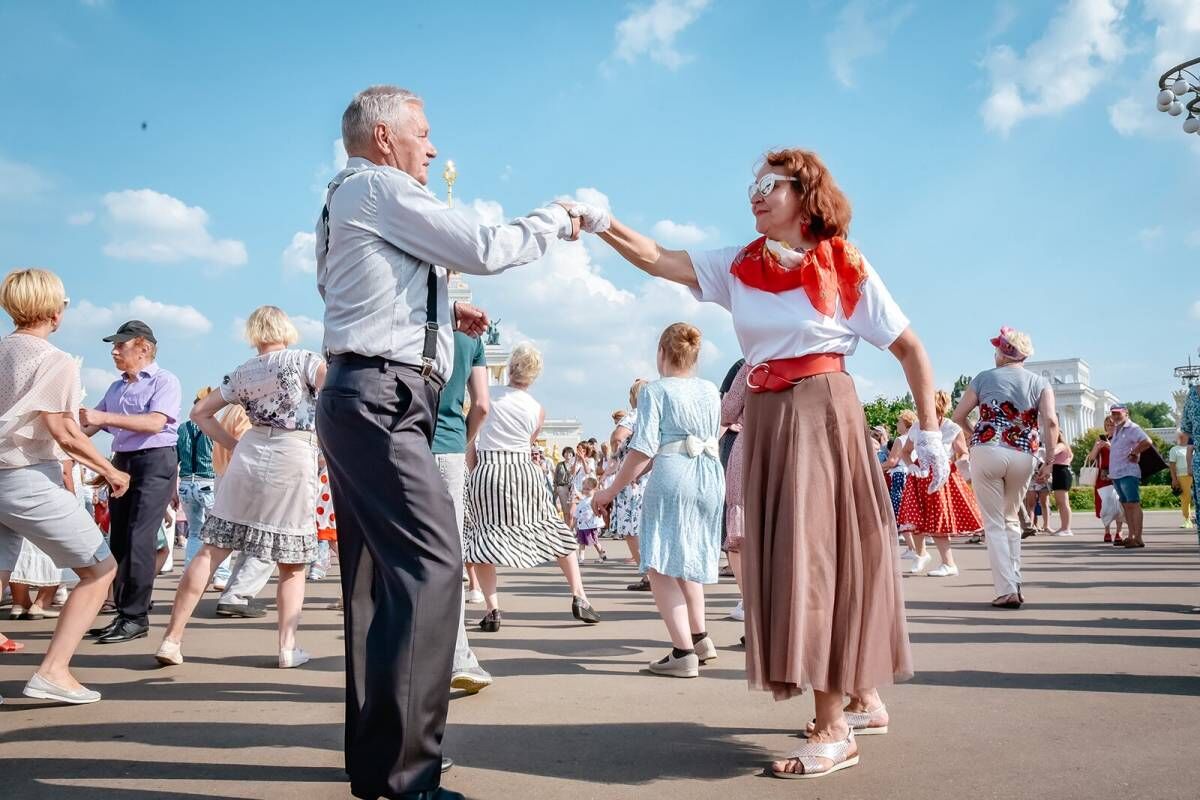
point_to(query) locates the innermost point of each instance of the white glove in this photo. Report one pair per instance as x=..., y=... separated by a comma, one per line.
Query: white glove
x=931, y=454
x=592, y=218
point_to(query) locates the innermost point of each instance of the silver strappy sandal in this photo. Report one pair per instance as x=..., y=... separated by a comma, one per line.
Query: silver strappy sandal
x=810, y=755
x=863, y=723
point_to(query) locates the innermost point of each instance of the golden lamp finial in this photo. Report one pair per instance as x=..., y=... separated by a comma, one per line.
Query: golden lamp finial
x=450, y=175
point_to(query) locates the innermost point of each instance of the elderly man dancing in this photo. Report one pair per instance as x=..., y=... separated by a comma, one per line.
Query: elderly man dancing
x=389, y=334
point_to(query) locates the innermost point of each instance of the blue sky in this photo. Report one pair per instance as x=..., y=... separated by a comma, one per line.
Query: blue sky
x=1005, y=162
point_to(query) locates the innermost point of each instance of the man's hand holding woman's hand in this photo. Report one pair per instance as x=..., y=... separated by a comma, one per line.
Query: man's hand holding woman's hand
x=592, y=219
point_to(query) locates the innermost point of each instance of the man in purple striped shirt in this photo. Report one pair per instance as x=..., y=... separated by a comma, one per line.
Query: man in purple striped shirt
x=141, y=411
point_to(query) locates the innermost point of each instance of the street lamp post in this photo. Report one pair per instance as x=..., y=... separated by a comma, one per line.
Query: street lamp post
x=1179, y=90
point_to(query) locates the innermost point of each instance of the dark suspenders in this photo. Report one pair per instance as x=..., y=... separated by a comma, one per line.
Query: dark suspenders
x=429, y=349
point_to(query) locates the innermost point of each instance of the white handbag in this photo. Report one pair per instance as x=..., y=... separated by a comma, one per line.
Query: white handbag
x=1089, y=475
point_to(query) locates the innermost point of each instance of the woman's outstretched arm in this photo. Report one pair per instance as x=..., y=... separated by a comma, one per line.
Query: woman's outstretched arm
x=649, y=256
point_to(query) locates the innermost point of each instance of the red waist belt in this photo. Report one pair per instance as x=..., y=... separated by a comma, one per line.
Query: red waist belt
x=784, y=373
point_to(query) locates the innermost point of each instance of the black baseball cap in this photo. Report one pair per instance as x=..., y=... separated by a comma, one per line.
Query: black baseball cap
x=134, y=329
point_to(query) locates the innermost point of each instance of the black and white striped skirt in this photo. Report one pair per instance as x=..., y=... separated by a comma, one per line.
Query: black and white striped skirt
x=512, y=520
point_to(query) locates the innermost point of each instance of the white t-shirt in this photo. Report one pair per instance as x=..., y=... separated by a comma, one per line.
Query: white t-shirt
x=1178, y=457
x=785, y=325
x=511, y=422
x=585, y=517
x=901, y=467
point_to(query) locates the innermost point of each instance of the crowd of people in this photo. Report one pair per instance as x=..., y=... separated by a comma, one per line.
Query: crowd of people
x=285, y=463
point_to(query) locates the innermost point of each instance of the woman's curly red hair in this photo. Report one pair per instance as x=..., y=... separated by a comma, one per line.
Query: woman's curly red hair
x=827, y=209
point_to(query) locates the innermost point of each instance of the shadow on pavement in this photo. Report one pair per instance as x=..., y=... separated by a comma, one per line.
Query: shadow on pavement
x=613, y=753
x=1178, y=685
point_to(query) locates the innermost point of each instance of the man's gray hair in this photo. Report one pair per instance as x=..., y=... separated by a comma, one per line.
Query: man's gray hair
x=371, y=106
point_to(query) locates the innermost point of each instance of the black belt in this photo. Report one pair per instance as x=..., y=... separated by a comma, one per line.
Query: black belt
x=381, y=363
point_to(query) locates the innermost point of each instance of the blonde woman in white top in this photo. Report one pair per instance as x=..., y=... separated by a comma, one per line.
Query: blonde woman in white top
x=265, y=506
x=513, y=522
x=40, y=397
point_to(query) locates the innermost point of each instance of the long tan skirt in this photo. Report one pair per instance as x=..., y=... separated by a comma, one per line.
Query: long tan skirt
x=823, y=600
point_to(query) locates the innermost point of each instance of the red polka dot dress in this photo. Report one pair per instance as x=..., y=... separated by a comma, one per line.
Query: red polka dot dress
x=951, y=511
x=326, y=519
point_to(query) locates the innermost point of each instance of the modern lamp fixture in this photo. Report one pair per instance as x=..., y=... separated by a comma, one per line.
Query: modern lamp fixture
x=1179, y=90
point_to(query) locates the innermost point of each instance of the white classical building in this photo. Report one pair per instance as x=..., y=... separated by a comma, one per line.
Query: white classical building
x=1080, y=406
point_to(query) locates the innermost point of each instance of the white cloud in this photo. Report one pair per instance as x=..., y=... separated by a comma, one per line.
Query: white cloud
x=651, y=31
x=184, y=320
x=682, y=234
x=20, y=181
x=96, y=381
x=1080, y=46
x=506, y=173
x=82, y=218
x=300, y=256
x=325, y=172
x=1176, y=39
x=863, y=29
x=155, y=227
x=312, y=331
x=1132, y=115
x=594, y=334
x=1196, y=310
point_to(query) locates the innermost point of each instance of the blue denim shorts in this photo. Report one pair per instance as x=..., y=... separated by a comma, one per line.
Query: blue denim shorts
x=1129, y=488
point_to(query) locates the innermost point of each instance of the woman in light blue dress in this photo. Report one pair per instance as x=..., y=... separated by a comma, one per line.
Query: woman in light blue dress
x=680, y=532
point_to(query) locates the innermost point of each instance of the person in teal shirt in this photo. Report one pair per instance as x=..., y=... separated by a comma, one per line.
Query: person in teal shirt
x=455, y=430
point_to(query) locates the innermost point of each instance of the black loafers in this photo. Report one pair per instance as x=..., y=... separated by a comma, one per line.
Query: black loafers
x=125, y=631
x=491, y=622
x=96, y=633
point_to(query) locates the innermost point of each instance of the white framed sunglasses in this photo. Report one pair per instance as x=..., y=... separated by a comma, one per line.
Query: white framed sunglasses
x=765, y=185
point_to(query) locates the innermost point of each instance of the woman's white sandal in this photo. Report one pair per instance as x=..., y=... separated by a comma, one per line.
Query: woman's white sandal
x=810, y=757
x=859, y=722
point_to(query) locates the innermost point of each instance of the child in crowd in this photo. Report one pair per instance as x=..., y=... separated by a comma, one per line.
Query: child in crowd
x=587, y=523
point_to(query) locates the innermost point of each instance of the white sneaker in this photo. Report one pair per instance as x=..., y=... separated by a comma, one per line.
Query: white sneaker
x=474, y=597
x=1064, y=532
x=907, y=554
x=944, y=571
x=920, y=564
x=472, y=680
x=293, y=658
x=739, y=612
x=41, y=689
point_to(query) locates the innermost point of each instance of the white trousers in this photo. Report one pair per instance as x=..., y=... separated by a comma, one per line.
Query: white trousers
x=453, y=467
x=999, y=477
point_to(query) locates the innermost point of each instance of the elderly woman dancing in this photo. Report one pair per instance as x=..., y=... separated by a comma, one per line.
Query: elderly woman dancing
x=266, y=500
x=513, y=522
x=40, y=396
x=823, y=602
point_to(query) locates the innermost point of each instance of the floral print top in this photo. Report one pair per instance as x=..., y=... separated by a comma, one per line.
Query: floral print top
x=277, y=389
x=1008, y=408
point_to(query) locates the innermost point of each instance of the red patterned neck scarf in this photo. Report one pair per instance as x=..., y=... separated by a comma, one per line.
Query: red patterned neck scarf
x=830, y=271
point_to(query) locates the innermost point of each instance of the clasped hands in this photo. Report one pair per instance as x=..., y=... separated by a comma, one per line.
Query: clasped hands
x=591, y=219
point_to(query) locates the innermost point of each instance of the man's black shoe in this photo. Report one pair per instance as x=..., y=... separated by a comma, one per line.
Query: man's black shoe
x=248, y=610
x=96, y=633
x=447, y=763
x=436, y=794
x=125, y=631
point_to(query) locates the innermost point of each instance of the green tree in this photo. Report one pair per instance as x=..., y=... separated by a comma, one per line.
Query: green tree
x=960, y=386
x=882, y=411
x=1151, y=415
